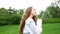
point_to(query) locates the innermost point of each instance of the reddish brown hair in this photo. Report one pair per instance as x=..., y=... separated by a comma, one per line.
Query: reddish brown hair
x=24, y=17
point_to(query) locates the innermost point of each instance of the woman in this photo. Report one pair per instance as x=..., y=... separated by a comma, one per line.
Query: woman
x=29, y=23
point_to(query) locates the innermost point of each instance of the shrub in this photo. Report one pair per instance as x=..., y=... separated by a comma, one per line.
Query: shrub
x=51, y=20
x=10, y=19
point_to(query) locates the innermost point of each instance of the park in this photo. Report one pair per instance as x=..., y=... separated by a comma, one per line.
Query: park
x=10, y=19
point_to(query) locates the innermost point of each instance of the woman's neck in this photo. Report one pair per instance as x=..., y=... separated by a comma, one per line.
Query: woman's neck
x=30, y=16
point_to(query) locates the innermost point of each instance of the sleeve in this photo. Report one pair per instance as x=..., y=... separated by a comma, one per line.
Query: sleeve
x=39, y=25
x=32, y=26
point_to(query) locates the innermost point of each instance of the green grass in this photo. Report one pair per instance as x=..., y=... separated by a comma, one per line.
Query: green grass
x=10, y=29
x=51, y=28
x=47, y=29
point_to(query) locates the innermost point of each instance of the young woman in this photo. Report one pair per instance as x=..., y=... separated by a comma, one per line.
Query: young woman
x=29, y=23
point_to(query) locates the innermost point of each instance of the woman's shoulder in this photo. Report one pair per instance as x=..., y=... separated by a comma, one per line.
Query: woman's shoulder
x=39, y=20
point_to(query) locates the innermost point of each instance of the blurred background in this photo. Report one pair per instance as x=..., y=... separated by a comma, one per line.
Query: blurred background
x=11, y=12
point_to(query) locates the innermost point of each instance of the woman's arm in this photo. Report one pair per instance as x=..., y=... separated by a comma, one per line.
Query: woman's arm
x=32, y=26
x=39, y=25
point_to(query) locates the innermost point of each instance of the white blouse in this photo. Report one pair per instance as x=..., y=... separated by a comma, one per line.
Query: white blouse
x=31, y=28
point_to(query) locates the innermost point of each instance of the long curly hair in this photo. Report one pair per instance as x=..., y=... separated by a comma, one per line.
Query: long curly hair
x=24, y=17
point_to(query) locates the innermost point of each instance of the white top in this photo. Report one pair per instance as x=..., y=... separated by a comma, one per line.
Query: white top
x=31, y=28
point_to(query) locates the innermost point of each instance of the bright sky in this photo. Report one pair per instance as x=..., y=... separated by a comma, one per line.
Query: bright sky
x=18, y=4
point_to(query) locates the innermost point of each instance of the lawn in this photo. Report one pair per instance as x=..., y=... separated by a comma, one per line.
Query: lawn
x=10, y=29
x=47, y=29
x=51, y=28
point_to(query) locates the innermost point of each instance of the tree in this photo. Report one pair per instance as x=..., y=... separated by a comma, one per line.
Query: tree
x=40, y=15
x=10, y=18
x=54, y=9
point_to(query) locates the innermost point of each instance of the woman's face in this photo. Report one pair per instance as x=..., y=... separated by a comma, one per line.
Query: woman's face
x=33, y=12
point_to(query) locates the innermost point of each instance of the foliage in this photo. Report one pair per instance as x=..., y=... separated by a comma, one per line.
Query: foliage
x=7, y=18
x=52, y=11
x=40, y=15
x=51, y=20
